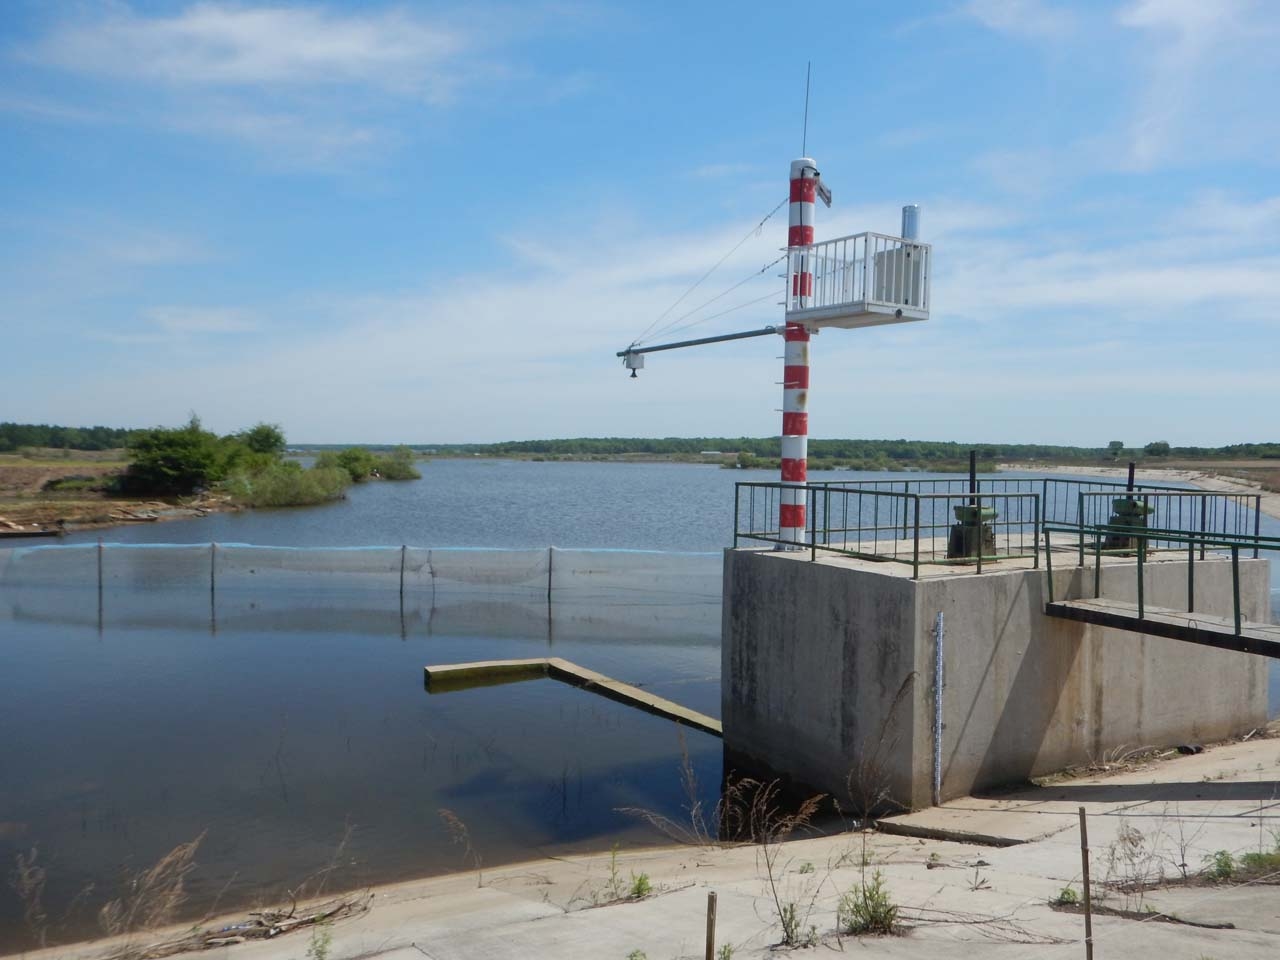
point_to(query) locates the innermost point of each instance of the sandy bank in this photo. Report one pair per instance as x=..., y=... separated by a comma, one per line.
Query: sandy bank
x=1198, y=478
x=1149, y=823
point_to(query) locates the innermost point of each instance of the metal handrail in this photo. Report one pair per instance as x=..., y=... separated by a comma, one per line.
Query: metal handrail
x=873, y=507
x=886, y=511
x=1145, y=536
x=861, y=268
x=1244, y=503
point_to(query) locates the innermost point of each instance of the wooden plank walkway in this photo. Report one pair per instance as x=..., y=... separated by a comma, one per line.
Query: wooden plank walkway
x=483, y=673
x=1260, y=638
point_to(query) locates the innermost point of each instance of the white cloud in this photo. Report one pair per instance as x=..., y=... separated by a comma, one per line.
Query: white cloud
x=185, y=320
x=1208, y=74
x=714, y=171
x=1027, y=18
x=221, y=45
x=495, y=356
x=46, y=109
x=303, y=86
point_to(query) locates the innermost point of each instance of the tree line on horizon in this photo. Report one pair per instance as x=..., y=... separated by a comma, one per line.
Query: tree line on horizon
x=848, y=449
x=15, y=436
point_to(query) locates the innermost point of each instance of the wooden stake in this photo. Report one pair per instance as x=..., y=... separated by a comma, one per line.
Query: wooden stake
x=711, y=926
x=1088, y=907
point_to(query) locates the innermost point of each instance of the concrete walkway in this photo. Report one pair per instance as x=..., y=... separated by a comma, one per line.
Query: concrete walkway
x=956, y=899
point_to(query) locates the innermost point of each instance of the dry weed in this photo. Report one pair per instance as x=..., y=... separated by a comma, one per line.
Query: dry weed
x=28, y=879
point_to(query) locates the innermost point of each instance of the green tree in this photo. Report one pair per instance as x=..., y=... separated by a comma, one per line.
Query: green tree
x=263, y=438
x=357, y=461
x=1115, y=448
x=398, y=465
x=1159, y=448
x=174, y=461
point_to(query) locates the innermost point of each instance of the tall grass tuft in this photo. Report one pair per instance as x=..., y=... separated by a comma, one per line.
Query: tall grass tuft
x=288, y=485
x=27, y=880
x=153, y=896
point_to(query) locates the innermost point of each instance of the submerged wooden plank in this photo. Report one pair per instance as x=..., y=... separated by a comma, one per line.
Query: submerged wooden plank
x=447, y=677
x=1259, y=638
x=482, y=673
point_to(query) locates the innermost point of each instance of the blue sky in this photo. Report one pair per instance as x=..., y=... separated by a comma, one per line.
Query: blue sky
x=434, y=222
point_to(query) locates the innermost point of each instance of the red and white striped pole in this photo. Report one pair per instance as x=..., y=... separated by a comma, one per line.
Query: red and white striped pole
x=795, y=372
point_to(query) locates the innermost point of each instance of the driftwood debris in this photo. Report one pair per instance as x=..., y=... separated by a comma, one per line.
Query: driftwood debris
x=261, y=925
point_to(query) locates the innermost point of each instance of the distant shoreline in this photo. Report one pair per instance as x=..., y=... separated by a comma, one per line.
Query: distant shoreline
x=1204, y=480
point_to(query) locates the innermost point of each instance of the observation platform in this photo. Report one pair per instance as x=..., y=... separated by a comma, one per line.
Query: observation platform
x=862, y=280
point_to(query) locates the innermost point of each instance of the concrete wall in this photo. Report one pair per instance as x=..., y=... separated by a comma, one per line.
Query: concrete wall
x=828, y=670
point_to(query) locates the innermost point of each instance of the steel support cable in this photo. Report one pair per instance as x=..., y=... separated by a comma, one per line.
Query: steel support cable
x=673, y=326
x=754, y=231
x=768, y=296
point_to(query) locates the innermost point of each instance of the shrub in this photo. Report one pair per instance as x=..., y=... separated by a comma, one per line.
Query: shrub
x=640, y=886
x=287, y=485
x=398, y=465
x=174, y=462
x=360, y=464
x=1221, y=865
x=867, y=908
x=1067, y=897
x=357, y=461
x=263, y=438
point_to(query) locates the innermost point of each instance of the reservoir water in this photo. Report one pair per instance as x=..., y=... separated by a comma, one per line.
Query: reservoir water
x=278, y=730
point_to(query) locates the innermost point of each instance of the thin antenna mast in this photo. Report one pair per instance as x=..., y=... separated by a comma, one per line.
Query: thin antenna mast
x=804, y=137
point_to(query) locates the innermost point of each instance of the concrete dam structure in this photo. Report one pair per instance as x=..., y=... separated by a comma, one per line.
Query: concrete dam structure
x=913, y=683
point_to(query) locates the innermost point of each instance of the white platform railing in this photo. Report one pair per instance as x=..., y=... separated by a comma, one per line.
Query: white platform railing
x=860, y=280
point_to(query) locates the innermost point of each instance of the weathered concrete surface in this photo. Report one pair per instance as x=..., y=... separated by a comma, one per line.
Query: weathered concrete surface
x=828, y=671
x=954, y=899
x=819, y=679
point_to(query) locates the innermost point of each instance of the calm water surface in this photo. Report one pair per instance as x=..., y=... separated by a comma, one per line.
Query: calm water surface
x=276, y=733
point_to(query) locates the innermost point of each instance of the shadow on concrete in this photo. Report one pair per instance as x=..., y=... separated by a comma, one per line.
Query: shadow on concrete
x=1174, y=791
x=1043, y=688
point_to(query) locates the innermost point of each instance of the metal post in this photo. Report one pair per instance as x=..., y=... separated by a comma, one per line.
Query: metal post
x=938, y=678
x=1235, y=583
x=1142, y=552
x=1191, y=576
x=551, y=552
x=213, y=587
x=1097, y=568
x=1080, y=521
x=1204, y=507
x=813, y=523
x=1048, y=562
x=737, y=495
x=906, y=489
x=977, y=501
x=1257, y=523
x=403, y=550
x=99, y=585
x=795, y=370
x=711, y=926
x=915, y=554
x=1035, y=535
x=1088, y=899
